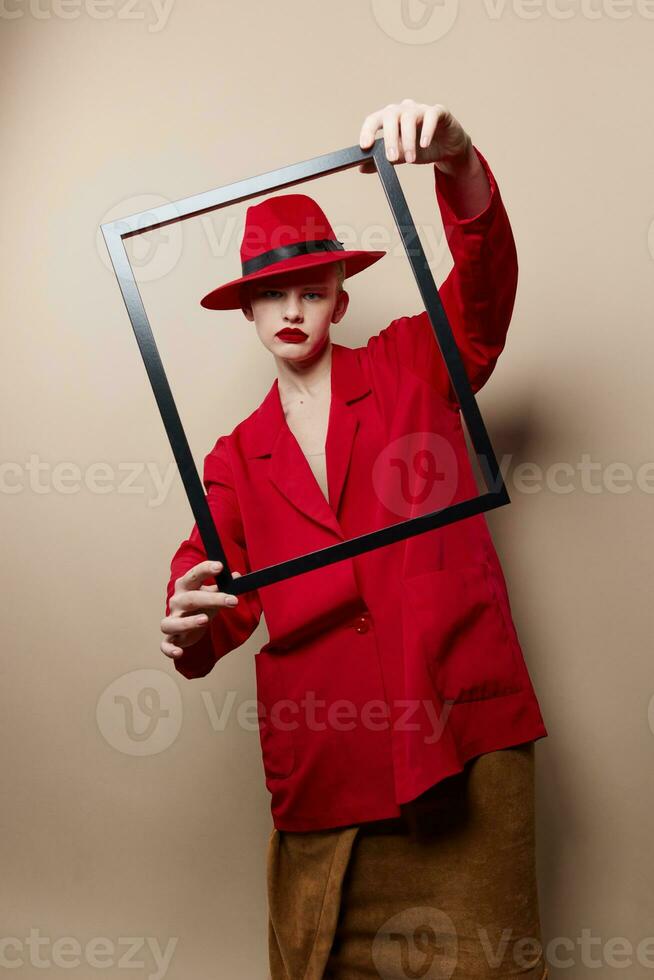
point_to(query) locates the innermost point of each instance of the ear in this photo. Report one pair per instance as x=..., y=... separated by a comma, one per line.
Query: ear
x=341, y=306
x=246, y=305
x=244, y=299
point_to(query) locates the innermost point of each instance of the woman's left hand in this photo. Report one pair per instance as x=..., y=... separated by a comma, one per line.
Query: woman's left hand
x=418, y=133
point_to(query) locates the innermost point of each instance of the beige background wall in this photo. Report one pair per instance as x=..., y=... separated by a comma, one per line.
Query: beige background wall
x=118, y=821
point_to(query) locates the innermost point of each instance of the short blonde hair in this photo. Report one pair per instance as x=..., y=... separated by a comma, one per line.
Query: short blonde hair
x=340, y=274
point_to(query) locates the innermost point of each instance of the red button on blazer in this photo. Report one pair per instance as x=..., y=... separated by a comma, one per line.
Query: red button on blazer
x=384, y=673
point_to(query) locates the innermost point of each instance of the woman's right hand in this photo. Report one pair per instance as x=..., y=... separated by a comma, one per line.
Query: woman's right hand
x=192, y=606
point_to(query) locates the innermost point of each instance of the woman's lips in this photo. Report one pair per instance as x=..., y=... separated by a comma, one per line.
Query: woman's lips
x=291, y=336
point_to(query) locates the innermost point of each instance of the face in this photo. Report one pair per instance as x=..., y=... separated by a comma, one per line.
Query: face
x=293, y=311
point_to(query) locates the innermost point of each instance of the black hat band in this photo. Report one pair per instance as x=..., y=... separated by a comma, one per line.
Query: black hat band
x=289, y=252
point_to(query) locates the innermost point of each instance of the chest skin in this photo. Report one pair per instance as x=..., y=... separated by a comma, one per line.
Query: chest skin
x=308, y=418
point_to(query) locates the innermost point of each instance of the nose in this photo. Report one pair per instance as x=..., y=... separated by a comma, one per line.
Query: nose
x=293, y=311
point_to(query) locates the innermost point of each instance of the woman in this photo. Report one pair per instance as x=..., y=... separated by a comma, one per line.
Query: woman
x=403, y=840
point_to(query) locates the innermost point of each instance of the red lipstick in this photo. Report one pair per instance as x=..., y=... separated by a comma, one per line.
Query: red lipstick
x=291, y=335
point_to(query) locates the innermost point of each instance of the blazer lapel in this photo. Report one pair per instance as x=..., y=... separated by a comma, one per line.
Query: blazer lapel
x=343, y=425
x=292, y=475
x=268, y=435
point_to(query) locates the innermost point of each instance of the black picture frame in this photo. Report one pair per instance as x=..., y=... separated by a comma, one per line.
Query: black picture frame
x=115, y=233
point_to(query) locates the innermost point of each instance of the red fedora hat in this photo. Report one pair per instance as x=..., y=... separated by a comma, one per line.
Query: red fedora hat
x=284, y=233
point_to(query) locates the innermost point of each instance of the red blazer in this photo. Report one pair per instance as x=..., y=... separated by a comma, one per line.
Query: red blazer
x=386, y=672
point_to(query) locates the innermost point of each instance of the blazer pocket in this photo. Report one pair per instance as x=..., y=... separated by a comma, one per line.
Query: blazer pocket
x=469, y=652
x=274, y=716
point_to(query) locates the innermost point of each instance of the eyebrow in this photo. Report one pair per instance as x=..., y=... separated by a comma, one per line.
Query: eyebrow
x=316, y=285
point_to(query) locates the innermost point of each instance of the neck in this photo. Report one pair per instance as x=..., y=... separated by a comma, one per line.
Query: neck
x=306, y=378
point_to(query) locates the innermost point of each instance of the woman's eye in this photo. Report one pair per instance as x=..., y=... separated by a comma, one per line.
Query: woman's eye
x=275, y=292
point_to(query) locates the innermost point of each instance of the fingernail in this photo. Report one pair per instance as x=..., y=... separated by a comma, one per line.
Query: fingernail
x=392, y=153
x=409, y=156
x=231, y=600
x=216, y=566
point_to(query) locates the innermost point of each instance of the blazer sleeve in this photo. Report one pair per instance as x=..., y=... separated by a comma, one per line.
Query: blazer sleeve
x=230, y=627
x=478, y=297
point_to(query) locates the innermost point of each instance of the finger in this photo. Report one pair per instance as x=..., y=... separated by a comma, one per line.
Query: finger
x=173, y=645
x=179, y=624
x=430, y=120
x=170, y=649
x=192, y=578
x=391, y=133
x=369, y=129
x=408, y=121
x=199, y=601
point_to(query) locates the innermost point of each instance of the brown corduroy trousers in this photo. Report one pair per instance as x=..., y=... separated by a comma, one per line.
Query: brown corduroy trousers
x=448, y=890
